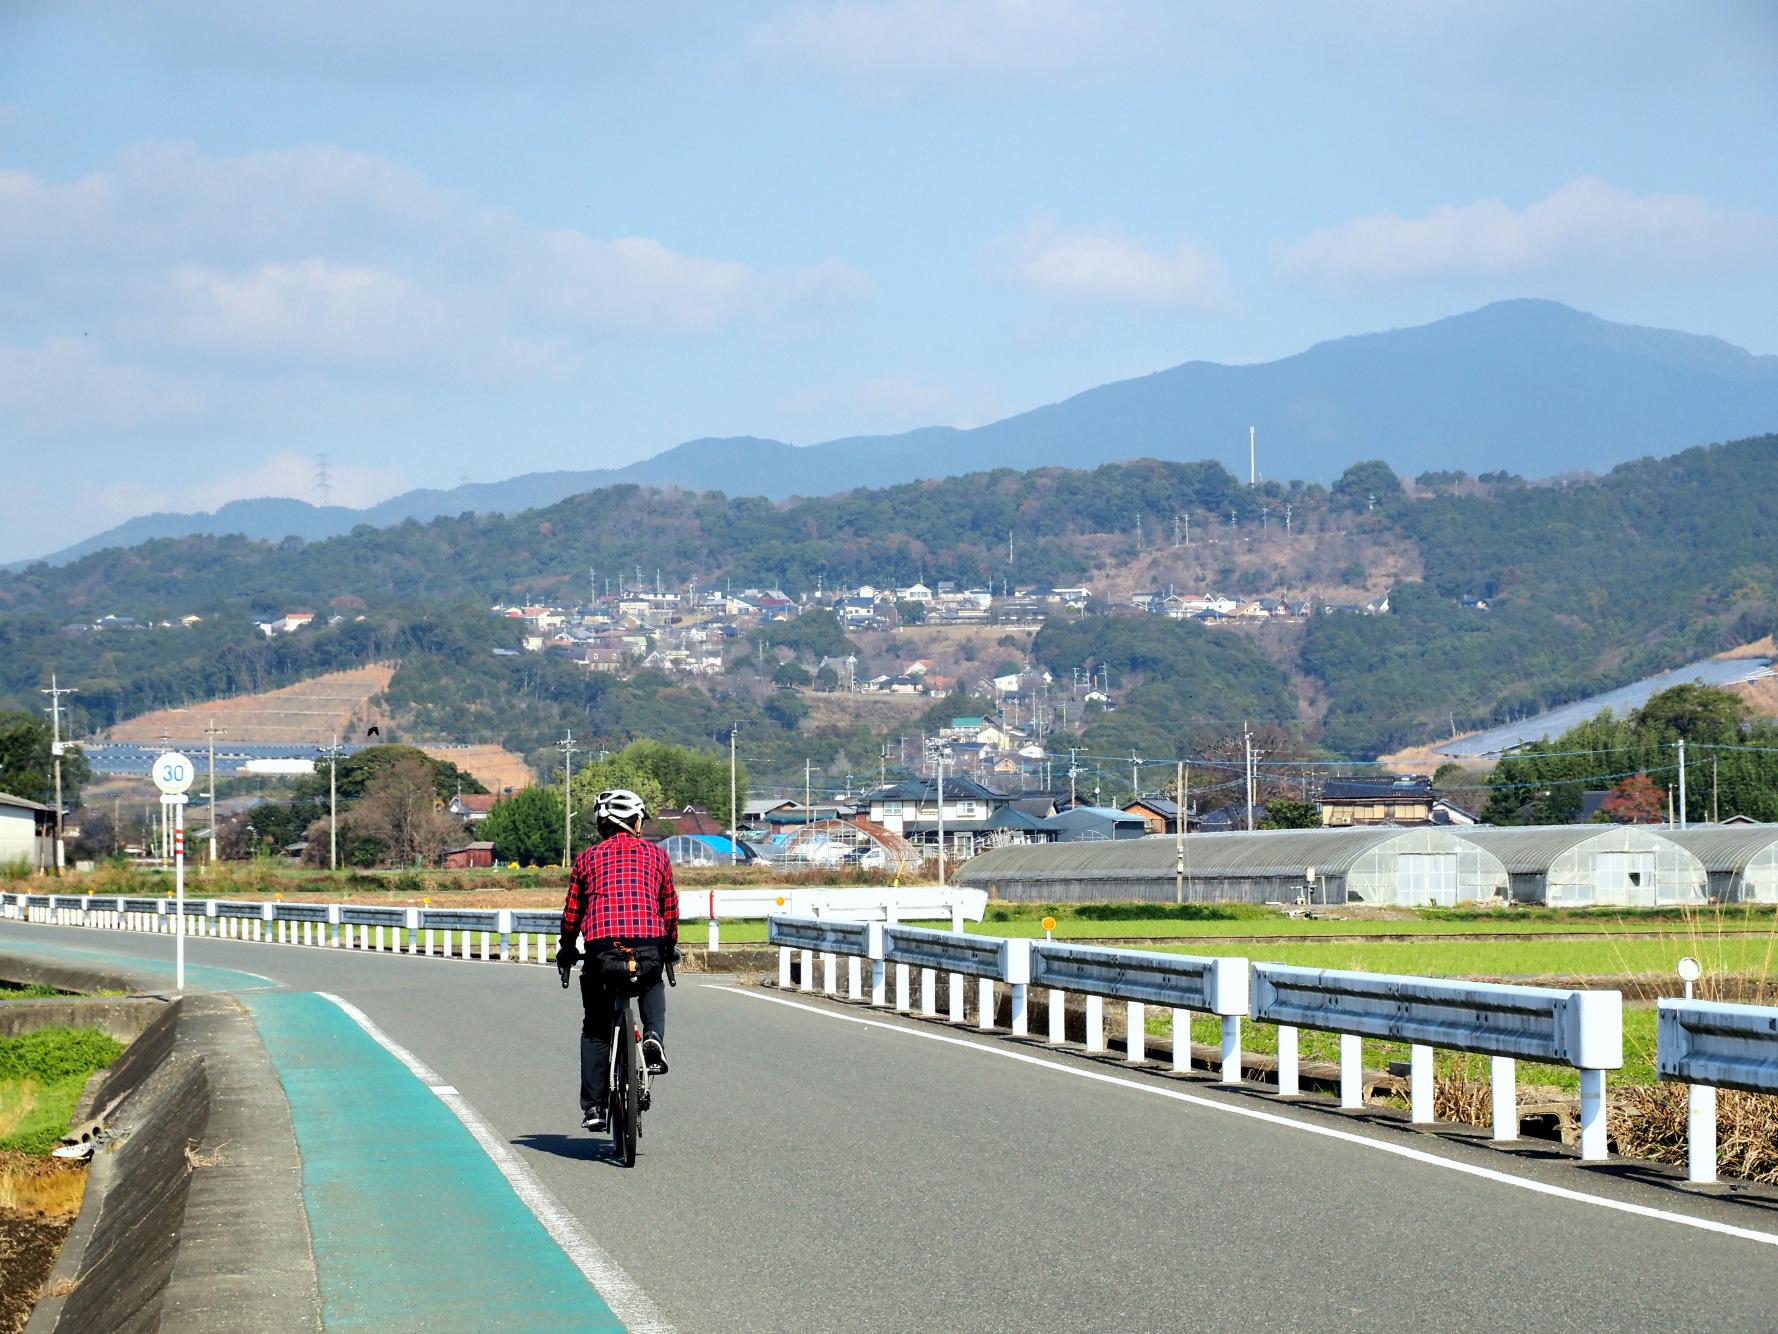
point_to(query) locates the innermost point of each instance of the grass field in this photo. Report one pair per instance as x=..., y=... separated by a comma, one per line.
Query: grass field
x=41, y=1077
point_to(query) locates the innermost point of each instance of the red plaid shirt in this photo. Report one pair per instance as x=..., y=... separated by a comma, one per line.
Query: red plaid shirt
x=622, y=887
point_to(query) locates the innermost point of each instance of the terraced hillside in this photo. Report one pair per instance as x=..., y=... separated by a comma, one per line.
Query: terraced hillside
x=312, y=711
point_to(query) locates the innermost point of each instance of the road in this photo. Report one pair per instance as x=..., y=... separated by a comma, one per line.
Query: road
x=812, y=1166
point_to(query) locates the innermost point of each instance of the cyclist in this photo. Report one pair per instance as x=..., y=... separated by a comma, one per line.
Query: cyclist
x=620, y=894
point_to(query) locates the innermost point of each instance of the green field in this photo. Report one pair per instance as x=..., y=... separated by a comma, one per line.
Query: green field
x=41, y=1078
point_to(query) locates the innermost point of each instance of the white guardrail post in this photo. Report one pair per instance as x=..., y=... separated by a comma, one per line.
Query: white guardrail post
x=1712, y=1045
x=1582, y=1029
x=1140, y=978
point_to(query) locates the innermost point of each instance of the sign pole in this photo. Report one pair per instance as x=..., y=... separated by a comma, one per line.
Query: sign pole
x=178, y=805
x=172, y=775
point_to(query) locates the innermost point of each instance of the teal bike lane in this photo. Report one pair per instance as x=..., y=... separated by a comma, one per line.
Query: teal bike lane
x=413, y=1225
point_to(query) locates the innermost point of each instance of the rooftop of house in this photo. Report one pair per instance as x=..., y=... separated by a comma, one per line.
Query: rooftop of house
x=925, y=789
x=1376, y=789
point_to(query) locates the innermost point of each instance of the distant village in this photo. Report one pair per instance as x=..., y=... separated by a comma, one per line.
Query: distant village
x=686, y=631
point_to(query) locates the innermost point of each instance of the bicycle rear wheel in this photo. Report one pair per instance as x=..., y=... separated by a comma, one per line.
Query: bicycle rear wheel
x=625, y=1122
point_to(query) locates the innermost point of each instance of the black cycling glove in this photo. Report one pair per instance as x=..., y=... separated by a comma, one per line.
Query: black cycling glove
x=566, y=957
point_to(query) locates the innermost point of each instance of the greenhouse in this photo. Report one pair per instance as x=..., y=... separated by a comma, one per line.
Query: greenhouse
x=1741, y=860
x=1379, y=866
x=1578, y=866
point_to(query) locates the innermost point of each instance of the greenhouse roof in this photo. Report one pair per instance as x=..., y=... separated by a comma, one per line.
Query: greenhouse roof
x=1725, y=847
x=1528, y=849
x=1284, y=853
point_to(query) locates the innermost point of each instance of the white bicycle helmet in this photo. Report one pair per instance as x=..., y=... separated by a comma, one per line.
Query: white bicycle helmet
x=619, y=806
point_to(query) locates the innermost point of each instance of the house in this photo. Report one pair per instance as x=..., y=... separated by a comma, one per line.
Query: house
x=912, y=809
x=691, y=820
x=469, y=855
x=27, y=832
x=1158, y=813
x=1372, y=801
x=472, y=807
x=1080, y=824
x=604, y=658
x=295, y=620
x=1225, y=820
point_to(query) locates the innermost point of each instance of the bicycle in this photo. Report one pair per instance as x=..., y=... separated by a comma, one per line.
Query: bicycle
x=627, y=1076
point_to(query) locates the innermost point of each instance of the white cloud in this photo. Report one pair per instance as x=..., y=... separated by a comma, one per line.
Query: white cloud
x=1587, y=224
x=894, y=37
x=330, y=259
x=1103, y=264
x=310, y=309
x=64, y=385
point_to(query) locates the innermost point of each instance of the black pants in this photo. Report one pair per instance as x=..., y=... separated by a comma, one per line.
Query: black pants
x=598, y=1015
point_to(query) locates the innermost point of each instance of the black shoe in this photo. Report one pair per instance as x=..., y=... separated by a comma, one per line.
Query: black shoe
x=654, y=1055
x=597, y=1121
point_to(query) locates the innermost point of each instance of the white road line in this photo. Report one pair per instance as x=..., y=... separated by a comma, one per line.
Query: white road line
x=1288, y=1123
x=622, y=1293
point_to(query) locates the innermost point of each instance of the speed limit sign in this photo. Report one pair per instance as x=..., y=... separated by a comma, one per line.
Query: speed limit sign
x=172, y=773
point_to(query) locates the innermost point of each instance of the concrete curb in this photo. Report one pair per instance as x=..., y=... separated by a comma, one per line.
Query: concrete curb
x=193, y=1217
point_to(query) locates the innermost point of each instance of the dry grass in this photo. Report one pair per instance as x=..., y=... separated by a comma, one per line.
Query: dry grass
x=1462, y=1099
x=17, y=1101
x=39, y=1187
x=1649, y=1121
x=57, y=1288
x=196, y=1158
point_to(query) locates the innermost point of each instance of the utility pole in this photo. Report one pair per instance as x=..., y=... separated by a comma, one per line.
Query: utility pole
x=55, y=693
x=211, y=732
x=1715, y=813
x=1247, y=743
x=333, y=825
x=567, y=747
x=808, y=804
x=1252, y=457
x=1179, y=832
x=734, y=813
x=1287, y=518
x=939, y=767
x=1680, y=744
x=1073, y=751
x=1135, y=789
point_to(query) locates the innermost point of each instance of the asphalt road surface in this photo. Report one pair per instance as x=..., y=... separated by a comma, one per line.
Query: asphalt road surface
x=812, y=1166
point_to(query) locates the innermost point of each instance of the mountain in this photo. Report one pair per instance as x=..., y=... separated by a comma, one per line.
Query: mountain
x=1530, y=387
x=1504, y=598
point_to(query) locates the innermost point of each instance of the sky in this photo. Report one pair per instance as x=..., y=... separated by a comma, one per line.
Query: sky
x=439, y=242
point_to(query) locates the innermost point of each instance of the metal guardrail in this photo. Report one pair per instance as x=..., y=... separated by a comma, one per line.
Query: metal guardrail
x=1711, y=1045
x=1582, y=1029
x=1139, y=978
x=381, y=927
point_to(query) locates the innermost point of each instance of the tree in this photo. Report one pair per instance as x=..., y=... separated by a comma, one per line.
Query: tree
x=527, y=827
x=1285, y=814
x=791, y=673
x=1697, y=713
x=1367, y=485
x=399, y=821
x=27, y=768
x=827, y=679
x=787, y=709
x=910, y=613
x=1636, y=800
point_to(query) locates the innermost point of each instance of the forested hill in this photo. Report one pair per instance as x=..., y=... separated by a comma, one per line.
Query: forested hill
x=1532, y=387
x=1587, y=584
